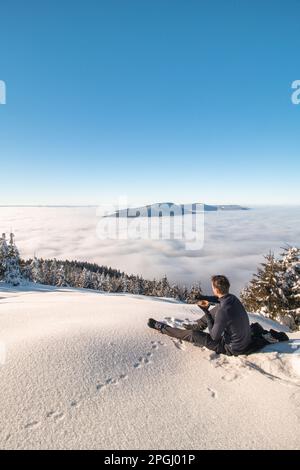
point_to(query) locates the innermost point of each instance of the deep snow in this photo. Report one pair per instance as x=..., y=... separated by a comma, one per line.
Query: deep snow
x=82, y=370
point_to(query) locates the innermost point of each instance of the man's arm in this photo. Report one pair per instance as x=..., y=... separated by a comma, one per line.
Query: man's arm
x=210, y=298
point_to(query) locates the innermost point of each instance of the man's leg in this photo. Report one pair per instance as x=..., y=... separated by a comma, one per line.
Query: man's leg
x=205, y=340
x=198, y=325
x=198, y=338
x=184, y=335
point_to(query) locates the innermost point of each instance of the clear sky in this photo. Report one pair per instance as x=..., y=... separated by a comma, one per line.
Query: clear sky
x=184, y=100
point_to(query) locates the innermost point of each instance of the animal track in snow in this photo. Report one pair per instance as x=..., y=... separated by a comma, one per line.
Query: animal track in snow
x=32, y=424
x=143, y=360
x=212, y=392
x=179, y=344
x=57, y=415
x=111, y=381
x=123, y=376
x=74, y=403
x=100, y=386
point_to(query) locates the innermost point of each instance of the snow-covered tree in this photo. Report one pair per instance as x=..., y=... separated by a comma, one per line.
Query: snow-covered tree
x=85, y=279
x=163, y=288
x=175, y=292
x=3, y=255
x=274, y=290
x=290, y=264
x=138, y=288
x=12, y=274
x=101, y=282
x=36, y=270
x=50, y=274
x=264, y=292
x=61, y=277
x=124, y=283
x=194, y=293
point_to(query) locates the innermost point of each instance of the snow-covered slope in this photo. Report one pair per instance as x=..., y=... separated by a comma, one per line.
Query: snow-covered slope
x=82, y=370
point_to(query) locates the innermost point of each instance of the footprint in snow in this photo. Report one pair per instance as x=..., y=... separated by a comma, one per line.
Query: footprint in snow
x=179, y=344
x=32, y=424
x=55, y=415
x=123, y=377
x=58, y=416
x=100, y=387
x=74, y=403
x=212, y=392
x=230, y=377
x=111, y=381
x=142, y=361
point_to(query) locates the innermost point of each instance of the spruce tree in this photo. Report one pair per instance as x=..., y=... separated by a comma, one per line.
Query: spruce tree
x=36, y=270
x=3, y=255
x=290, y=263
x=264, y=292
x=61, y=277
x=274, y=290
x=12, y=274
x=194, y=293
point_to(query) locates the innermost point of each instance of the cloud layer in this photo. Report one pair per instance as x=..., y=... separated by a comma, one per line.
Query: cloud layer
x=234, y=242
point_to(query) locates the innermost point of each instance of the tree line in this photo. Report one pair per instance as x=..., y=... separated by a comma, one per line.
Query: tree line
x=65, y=273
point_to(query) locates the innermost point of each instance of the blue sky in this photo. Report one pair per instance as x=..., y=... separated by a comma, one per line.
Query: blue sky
x=153, y=99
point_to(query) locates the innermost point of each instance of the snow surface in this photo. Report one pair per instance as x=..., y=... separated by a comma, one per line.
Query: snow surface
x=82, y=370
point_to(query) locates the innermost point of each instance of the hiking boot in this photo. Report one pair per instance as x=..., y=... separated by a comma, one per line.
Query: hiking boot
x=156, y=325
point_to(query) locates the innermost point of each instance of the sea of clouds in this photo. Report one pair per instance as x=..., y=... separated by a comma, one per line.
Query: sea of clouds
x=234, y=242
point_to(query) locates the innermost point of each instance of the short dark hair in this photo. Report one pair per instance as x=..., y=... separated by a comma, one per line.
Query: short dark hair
x=221, y=283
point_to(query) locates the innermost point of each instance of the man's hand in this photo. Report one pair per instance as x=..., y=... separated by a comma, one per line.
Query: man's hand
x=203, y=304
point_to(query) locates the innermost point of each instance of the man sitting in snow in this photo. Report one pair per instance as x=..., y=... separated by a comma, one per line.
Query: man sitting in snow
x=227, y=323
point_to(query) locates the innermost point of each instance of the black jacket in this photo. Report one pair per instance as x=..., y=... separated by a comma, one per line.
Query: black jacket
x=229, y=322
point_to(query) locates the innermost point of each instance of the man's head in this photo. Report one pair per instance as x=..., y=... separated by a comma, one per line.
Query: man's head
x=220, y=285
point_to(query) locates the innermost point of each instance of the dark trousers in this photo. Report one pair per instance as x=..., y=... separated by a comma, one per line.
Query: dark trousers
x=198, y=338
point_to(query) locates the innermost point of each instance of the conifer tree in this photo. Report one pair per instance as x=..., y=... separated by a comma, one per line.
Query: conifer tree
x=12, y=273
x=274, y=290
x=36, y=269
x=3, y=255
x=61, y=277
x=264, y=293
x=194, y=293
x=290, y=264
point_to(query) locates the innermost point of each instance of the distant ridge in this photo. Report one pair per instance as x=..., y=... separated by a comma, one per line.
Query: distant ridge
x=170, y=209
